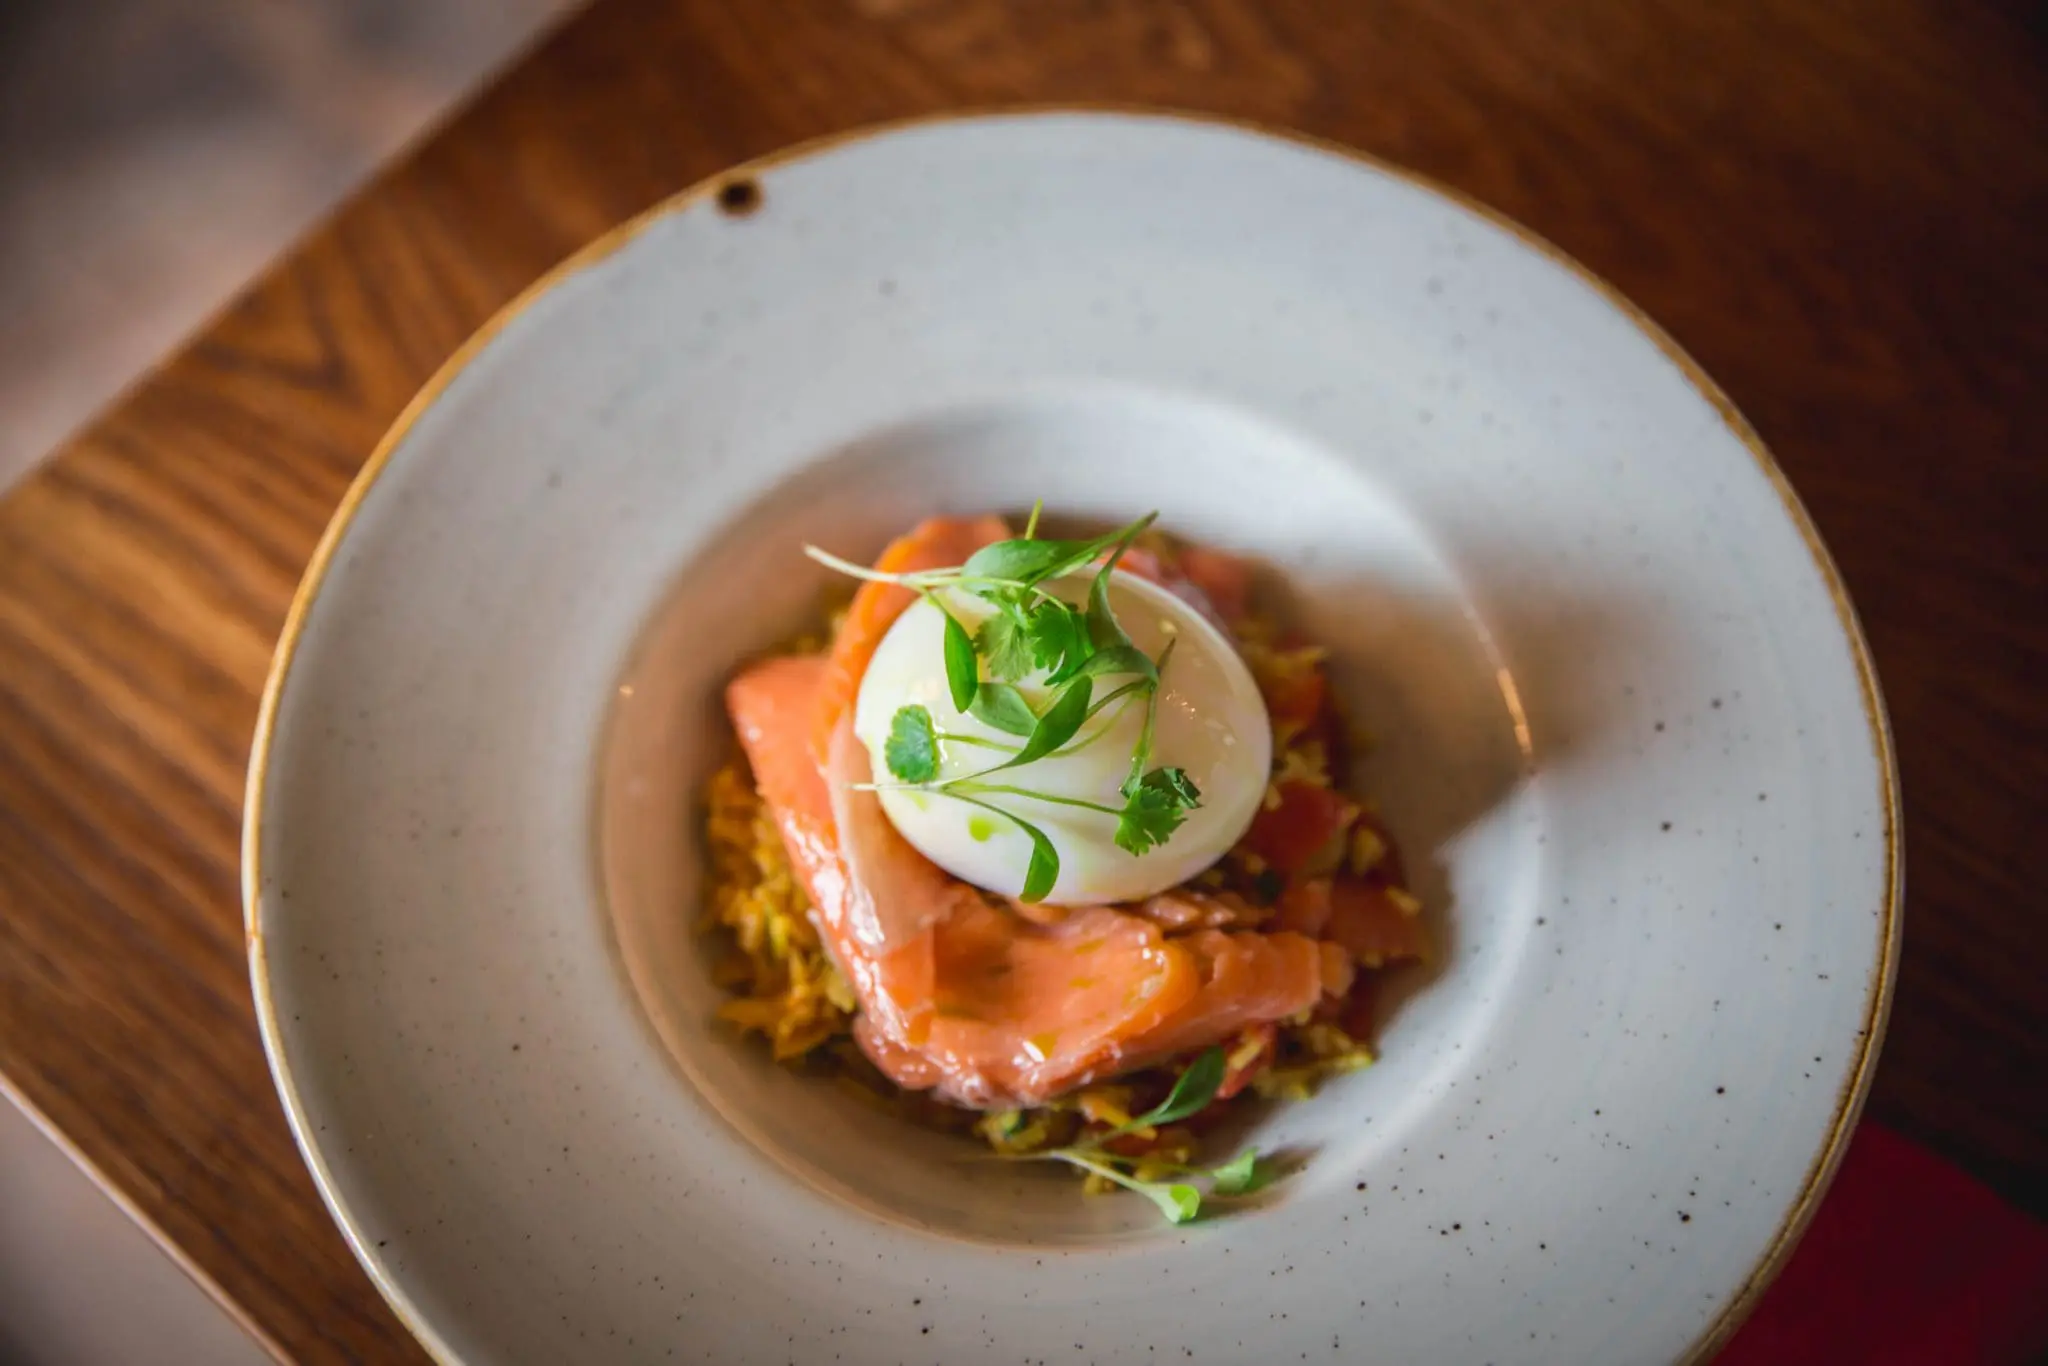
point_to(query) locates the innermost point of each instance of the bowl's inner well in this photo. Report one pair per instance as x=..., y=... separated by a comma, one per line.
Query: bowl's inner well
x=1409, y=658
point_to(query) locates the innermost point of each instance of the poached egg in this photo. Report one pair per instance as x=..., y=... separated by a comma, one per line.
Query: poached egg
x=1211, y=722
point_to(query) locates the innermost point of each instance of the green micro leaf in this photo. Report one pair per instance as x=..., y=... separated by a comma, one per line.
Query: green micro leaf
x=1044, y=869
x=1245, y=1173
x=1155, y=807
x=1193, y=1091
x=912, y=749
x=963, y=677
x=1057, y=726
x=1022, y=561
x=1119, y=659
x=1103, y=627
x=1178, y=1201
x=1002, y=642
x=1034, y=561
x=1002, y=706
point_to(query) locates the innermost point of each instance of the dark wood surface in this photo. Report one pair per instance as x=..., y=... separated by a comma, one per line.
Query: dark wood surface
x=1840, y=208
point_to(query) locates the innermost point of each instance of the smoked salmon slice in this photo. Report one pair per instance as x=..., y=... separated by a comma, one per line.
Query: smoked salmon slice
x=972, y=1002
x=771, y=706
x=935, y=543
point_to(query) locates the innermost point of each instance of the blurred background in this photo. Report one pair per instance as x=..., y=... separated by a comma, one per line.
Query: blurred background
x=154, y=155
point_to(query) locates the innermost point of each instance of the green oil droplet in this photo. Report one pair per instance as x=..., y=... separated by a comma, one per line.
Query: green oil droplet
x=980, y=828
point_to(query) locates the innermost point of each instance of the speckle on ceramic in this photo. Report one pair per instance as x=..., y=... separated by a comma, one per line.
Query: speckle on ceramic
x=1625, y=728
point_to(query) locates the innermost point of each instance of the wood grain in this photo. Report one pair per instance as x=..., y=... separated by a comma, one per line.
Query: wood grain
x=1841, y=209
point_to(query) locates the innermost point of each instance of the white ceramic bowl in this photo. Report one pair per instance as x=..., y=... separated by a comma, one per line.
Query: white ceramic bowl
x=1628, y=735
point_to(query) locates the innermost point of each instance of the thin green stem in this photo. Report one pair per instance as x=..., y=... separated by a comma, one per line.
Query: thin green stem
x=1126, y=689
x=1142, y=755
x=951, y=738
x=1159, y=1193
x=920, y=581
x=1076, y=746
x=955, y=789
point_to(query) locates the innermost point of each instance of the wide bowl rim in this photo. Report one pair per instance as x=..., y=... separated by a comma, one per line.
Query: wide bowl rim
x=1877, y=1008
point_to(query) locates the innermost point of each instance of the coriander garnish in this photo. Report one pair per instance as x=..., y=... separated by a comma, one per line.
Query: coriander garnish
x=1034, y=629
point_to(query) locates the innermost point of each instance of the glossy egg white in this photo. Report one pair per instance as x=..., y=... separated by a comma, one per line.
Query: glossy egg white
x=1211, y=722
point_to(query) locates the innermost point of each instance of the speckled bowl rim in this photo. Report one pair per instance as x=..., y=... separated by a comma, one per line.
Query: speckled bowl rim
x=1877, y=1007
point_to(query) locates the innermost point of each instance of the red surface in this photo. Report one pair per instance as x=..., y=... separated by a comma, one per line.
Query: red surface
x=1908, y=1263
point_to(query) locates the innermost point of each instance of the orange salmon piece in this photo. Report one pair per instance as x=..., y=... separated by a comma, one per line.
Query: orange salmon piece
x=1371, y=927
x=1225, y=580
x=1023, y=1011
x=935, y=543
x=771, y=705
x=1247, y=979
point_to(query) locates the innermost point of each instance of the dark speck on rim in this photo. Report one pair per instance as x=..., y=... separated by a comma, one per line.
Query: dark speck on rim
x=1667, y=825
x=738, y=198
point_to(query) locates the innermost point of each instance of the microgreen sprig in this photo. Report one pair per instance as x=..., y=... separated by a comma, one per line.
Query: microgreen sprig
x=1180, y=1200
x=1033, y=629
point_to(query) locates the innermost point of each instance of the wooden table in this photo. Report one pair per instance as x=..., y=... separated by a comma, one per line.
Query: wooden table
x=1840, y=208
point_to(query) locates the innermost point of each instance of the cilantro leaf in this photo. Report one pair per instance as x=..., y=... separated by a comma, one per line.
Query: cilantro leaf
x=912, y=749
x=1059, y=639
x=1002, y=706
x=1154, y=807
x=1001, y=641
x=1174, y=781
